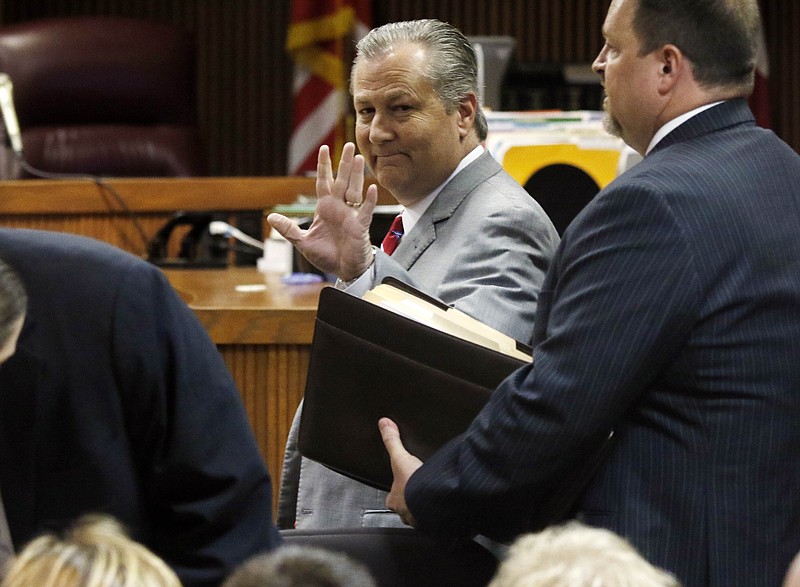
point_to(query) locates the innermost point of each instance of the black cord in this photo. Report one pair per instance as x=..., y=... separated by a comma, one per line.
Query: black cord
x=242, y=249
x=97, y=180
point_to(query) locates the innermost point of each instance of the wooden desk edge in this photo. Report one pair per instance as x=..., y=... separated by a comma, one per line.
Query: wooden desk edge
x=257, y=326
x=141, y=195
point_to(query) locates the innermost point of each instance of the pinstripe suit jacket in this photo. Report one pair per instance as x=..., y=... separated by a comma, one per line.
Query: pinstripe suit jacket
x=483, y=245
x=671, y=314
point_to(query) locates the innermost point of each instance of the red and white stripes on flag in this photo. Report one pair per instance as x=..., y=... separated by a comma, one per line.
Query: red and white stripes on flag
x=320, y=40
x=759, y=99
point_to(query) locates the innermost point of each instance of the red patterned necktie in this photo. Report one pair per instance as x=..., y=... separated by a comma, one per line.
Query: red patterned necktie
x=392, y=238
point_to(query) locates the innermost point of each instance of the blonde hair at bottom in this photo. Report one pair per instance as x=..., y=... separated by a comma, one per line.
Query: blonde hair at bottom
x=95, y=552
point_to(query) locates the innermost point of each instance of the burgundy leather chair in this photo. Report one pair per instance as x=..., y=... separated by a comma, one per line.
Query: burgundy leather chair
x=103, y=95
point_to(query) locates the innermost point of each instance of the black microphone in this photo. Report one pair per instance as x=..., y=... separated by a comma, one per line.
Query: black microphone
x=10, y=114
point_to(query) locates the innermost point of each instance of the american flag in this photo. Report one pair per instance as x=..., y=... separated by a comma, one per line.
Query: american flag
x=320, y=39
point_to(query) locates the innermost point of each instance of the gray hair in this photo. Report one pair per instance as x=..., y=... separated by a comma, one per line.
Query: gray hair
x=452, y=68
x=13, y=300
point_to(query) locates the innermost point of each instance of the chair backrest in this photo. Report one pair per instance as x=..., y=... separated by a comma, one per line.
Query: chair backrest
x=562, y=190
x=105, y=95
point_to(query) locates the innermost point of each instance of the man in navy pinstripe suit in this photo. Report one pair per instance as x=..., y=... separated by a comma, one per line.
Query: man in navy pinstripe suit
x=671, y=314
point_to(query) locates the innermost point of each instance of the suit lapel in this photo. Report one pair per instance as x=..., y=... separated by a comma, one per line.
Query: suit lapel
x=442, y=209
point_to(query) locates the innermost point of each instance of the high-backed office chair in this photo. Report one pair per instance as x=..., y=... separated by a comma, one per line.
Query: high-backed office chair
x=562, y=190
x=104, y=95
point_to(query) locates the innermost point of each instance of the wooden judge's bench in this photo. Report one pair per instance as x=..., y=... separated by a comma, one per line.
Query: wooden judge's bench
x=262, y=327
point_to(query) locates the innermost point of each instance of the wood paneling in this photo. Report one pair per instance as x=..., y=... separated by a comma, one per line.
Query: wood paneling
x=116, y=229
x=552, y=31
x=271, y=380
x=245, y=76
x=782, y=32
x=128, y=212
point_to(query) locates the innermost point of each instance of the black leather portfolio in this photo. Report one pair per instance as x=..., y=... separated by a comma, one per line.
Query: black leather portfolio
x=368, y=362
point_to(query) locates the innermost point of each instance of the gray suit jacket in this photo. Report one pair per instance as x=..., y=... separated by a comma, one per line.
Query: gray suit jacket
x=6, y=545
x=484, y=246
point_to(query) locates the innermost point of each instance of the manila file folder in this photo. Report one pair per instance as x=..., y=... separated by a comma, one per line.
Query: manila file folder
x=367, y=362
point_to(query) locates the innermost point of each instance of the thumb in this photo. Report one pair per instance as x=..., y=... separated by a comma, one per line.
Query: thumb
x=403, y=462
x=287, y=228
x=390, y=434
x=403, y=466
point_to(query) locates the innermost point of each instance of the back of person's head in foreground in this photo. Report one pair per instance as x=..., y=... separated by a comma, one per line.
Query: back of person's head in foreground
x=300, y=566
x=452, y=67
x=94, y=552
x=574, y=555
x=13, y=306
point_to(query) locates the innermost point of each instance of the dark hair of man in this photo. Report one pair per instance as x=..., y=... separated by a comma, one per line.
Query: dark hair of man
x=719, y=37
x=13, y=300
x=452, y=67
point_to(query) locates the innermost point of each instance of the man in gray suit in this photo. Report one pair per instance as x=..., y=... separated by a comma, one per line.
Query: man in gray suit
x=471, y=235
x=670, y=314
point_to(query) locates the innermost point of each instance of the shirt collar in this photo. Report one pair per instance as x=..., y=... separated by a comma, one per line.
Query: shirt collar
x=412, y=213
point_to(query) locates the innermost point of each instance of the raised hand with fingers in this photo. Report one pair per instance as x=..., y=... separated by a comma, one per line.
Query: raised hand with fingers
x=338, y=239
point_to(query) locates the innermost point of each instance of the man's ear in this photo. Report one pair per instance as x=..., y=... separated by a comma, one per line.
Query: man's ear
x=672, y=63
x=467, y=111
